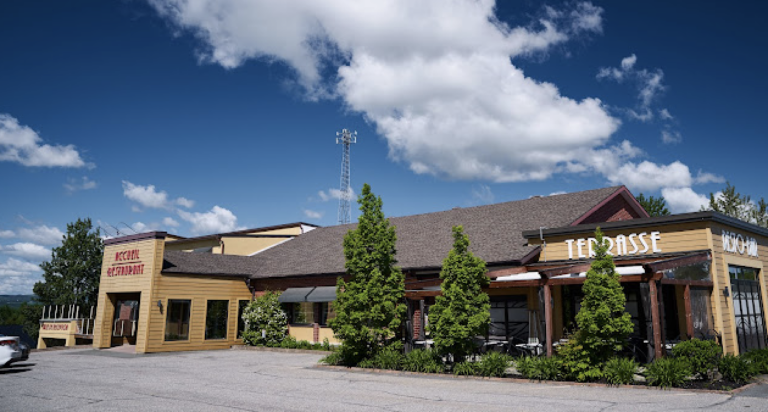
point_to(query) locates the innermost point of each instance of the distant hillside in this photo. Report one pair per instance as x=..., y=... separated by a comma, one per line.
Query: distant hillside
x=15, y=301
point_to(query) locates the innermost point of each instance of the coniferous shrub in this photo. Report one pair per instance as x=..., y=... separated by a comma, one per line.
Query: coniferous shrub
x=463, y=310
x=265, y=322
x=369, y=306
x=620, y=371
x=667, y=372
x=736, y=368
x=702, y=355
x=603, y=325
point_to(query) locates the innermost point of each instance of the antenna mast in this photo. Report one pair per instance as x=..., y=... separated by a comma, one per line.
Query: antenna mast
x=345, y=138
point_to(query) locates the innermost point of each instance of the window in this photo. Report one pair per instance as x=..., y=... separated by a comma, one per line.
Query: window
x=509, y=317
x=240, y=322
x=216, y=319
x=305, y=313
x=696, y=271
x=177, y=320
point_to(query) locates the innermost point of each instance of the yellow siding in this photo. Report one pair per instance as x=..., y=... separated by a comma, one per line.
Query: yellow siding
x=674, y=238
x=246, y=246
x=721, y=279
x=198, y=290
x=327, y=333
x=302, y=333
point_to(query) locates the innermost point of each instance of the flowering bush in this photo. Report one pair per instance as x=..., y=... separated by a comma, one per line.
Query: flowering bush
x=265, y=322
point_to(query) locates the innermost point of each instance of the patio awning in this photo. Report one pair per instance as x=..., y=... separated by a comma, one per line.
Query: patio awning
x=519, y=276
x=291, y=295
x=322, y=294
x=313, y=294
x=621, y=270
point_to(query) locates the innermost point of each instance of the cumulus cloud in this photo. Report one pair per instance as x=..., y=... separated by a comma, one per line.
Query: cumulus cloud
x=313, y=214
x=42, y=234
x=434, y=77
x=335, y=194
x=648, y=176
x=217, y=220
x=684, y=199
x=6, y=234
x=21, y=144
x=671, y=137
x=16, y=267
x=149, y=197
x=184, y=202
x=170, y=222
x=75, y=185
x=27, y=250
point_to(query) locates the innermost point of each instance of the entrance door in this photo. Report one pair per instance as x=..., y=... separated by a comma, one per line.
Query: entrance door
x=126, y=320
x=748, y=308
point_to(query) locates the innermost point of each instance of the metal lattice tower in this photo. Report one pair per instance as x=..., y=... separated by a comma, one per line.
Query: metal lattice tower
x=345, y=138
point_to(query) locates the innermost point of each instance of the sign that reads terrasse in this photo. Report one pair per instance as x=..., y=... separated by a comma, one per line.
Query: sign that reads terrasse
x=737, y=243
x=621, y=245
x=127, y=263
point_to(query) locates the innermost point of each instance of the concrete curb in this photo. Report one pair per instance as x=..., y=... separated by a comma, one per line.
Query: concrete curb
x=267, y=349
x=519, y=380
x=55, y=348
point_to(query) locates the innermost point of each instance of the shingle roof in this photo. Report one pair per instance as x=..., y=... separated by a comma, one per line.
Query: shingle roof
x=423, y=241
x=176, y=261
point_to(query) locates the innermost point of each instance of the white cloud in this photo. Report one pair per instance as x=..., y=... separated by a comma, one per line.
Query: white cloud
x=6, y=234
x=217, y=220
x=170, y=222
x=26, y=250
x=671, y=137
x=184, y=202
x=704, y=178
x=684, y=199
x=649, y=85
x=16, y=267
x=21, y=144
x=335, y=194
x=149, y=197
x=312, y=214
x=74, y=185
x=648, y=176
x=482, y=194
x=41, y=234
x=665, y=115
x=435, y=79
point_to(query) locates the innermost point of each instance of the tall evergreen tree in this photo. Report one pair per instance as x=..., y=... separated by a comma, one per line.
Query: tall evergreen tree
x=603, y=325
x=463, y=310
x=732, y=203
x=655, y=206
x=369, y=306
x=73, y=273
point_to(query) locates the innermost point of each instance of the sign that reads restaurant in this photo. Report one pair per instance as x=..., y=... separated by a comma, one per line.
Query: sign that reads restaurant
x=127, y=263
x=621, y=245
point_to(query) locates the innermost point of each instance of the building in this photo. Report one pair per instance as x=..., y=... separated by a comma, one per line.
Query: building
x=683, y=275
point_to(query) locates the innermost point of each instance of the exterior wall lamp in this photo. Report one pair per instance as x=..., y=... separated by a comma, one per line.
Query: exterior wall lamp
x=725, y=292
x=160, y=305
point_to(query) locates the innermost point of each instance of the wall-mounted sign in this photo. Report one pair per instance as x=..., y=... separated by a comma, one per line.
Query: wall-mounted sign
x=621, y=245
x=127, y=263
x=55, y=326
x=737, y=243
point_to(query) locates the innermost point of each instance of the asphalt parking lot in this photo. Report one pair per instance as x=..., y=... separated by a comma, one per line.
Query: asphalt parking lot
x=229, y=380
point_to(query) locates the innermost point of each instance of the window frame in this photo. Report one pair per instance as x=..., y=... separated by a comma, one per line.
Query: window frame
x=169, y=311
x=225, y=318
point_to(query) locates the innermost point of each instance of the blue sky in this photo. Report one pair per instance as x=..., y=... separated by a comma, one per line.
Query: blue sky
x=201, y=117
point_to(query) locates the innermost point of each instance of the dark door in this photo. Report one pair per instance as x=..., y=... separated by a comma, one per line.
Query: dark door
x=748, y=308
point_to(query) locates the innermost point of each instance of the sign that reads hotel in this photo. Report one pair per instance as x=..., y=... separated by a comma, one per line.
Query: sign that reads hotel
x=127, y=263
x=738, y=243
x=621, y=245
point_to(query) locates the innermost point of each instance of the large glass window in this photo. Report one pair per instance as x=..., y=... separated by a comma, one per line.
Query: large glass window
x=696, y=271
x=177, y=320
x=304, y=313
x=240, y=322
x=509, y=317
x=216, y=319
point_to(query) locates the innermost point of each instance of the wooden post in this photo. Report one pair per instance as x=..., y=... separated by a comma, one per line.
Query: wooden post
x=656, y=321
x=688, y=311
x=548, y=318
